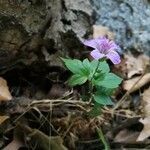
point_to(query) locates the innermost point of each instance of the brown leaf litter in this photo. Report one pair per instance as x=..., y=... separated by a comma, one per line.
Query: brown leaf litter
x=145, y=133
x=99, y=30
x=5, y=94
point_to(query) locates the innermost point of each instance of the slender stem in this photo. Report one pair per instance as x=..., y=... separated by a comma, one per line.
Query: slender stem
x=90, y=91
x=95, y=70
x=90, y=82
x=102, y=138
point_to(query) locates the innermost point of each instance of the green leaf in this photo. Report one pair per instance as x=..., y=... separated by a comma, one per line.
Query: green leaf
x=87, y=66
x=99, y=76
x=77, y=79
x=86, y=63
x=106, y=91
x=96, y=111
x=102, y=99
x=90, y=67
x=94, y=64
x=75, y=66
x=101, y=68
x=104, y=67
x=110, y=81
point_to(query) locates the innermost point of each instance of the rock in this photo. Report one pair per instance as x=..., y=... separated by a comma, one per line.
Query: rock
x=128, y=19
x=27, y=26
x=72, y=25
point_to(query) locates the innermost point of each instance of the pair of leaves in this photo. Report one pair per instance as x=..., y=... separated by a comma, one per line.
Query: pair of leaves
x=85, y=70
x=105, y=87
x=105, y=83
x=102, y=96
x=77, y=68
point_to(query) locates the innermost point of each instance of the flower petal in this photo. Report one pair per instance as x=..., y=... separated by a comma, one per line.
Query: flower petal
x=91, y=43
x=114, y=57
x=96, y=54
x=114, y=47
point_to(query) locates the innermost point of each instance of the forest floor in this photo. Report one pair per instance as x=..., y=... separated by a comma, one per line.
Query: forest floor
x=40, y=112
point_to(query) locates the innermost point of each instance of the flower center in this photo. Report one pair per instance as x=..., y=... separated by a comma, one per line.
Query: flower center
x=104, y=47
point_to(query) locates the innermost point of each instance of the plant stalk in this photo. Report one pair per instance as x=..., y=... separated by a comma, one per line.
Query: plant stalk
x=90, y=82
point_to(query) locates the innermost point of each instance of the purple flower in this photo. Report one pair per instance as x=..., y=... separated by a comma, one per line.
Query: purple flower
x=104, y=47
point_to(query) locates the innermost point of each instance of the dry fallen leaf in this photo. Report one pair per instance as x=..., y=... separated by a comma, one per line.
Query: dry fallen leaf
x=136, y=65
x=4, y=90
x=137, y=81
x=131, y=65
x=145, y=133
x=17, y=142
x=44, y=141
x=99, y=30
x=126, y=136
x=13, y=145
x=3, y=118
